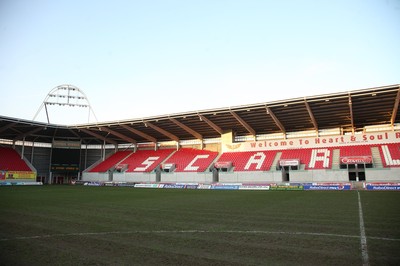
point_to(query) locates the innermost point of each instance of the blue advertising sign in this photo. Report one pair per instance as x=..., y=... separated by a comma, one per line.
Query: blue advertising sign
x=322, y=186
x=173, y=186
x=383, y=187
x=225, y=187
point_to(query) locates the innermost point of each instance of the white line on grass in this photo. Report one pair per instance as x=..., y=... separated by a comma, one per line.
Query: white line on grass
x=256, y=232
x=363, y=238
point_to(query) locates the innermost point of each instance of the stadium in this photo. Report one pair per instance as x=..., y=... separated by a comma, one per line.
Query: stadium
x=341, y=141
x=342, y=137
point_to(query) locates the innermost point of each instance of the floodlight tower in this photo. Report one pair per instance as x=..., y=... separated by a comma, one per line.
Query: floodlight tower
x=66, y=95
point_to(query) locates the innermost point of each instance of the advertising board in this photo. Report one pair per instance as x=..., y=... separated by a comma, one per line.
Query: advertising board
x=382, y=186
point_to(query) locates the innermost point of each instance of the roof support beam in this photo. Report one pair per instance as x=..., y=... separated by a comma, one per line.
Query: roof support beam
x=187, y=129
x=119, y=135
x=140, y=133
x=98, y=136
x=243, y=123
x=162, y=131
x=22, y=136
x=211, y=124
x=351, y=114
x=74, y=133
x=7, y=126
x=310, y=113
x=395, y=108
x=276, y=120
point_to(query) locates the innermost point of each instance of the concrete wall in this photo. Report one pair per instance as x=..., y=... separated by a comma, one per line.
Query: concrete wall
x=95, y=177
x=134, y=177
x=205, y=177
x=319, y=176
x=296, y=176
x=382, y=175
x=250, y=177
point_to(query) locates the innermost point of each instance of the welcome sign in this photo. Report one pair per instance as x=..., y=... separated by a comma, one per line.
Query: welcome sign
x=316, y=142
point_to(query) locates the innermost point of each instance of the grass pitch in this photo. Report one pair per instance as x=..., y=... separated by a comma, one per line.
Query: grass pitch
x=77, y=225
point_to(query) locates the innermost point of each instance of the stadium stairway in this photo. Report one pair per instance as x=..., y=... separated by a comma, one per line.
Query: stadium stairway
x=336, y=159
x=357, y=185
x=376, y=157
x=276, y=160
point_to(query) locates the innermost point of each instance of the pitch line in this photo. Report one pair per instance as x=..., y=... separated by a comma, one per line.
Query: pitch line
x=363, y=237
x=256, y=232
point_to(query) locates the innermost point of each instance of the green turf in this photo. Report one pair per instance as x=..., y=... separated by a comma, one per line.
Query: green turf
x=77, y=225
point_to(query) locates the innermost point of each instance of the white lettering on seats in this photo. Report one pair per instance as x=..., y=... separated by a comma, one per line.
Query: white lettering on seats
x=190, y=166
x=257, y=158
x=319, y=155
x=388, y=157
x=148, y=162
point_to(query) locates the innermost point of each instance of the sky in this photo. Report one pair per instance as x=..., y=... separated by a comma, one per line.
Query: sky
x=137, y=59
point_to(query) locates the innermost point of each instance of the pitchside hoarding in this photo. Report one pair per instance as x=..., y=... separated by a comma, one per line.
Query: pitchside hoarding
x=327, y=186
x=382, y=186
x=9, y=175
x=377, y=186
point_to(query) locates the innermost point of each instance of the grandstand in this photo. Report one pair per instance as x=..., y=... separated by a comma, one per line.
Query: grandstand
x=12, y=161
x=342, y=137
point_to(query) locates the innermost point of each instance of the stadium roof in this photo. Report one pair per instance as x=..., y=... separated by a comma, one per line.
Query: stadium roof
x=351, y=111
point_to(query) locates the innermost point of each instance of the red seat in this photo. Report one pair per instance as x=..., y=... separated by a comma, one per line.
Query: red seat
x=361, y=150
x=192, y=160
x=105, y=165
x=146, y=160
x=317, y=158
x=250, y=160
x=10, y=160
x=390, y=154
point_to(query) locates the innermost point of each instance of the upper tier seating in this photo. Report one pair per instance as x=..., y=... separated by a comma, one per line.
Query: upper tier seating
x=146, y=160
x=390, y=154
x=317, y=158
x=192, y=160
x=250, y=160
x=111, y=161
x=10, y=160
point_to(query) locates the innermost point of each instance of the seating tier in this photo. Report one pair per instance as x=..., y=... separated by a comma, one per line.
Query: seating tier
x=312, y=158
x=192, y=160
x=146, y=160
x=10, y=160
x=390, y=154
x=108, y=163
x=249, y=161
x=361, y=150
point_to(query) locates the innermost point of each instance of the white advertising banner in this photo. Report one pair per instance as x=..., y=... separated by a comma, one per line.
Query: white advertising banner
x=320, y=142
